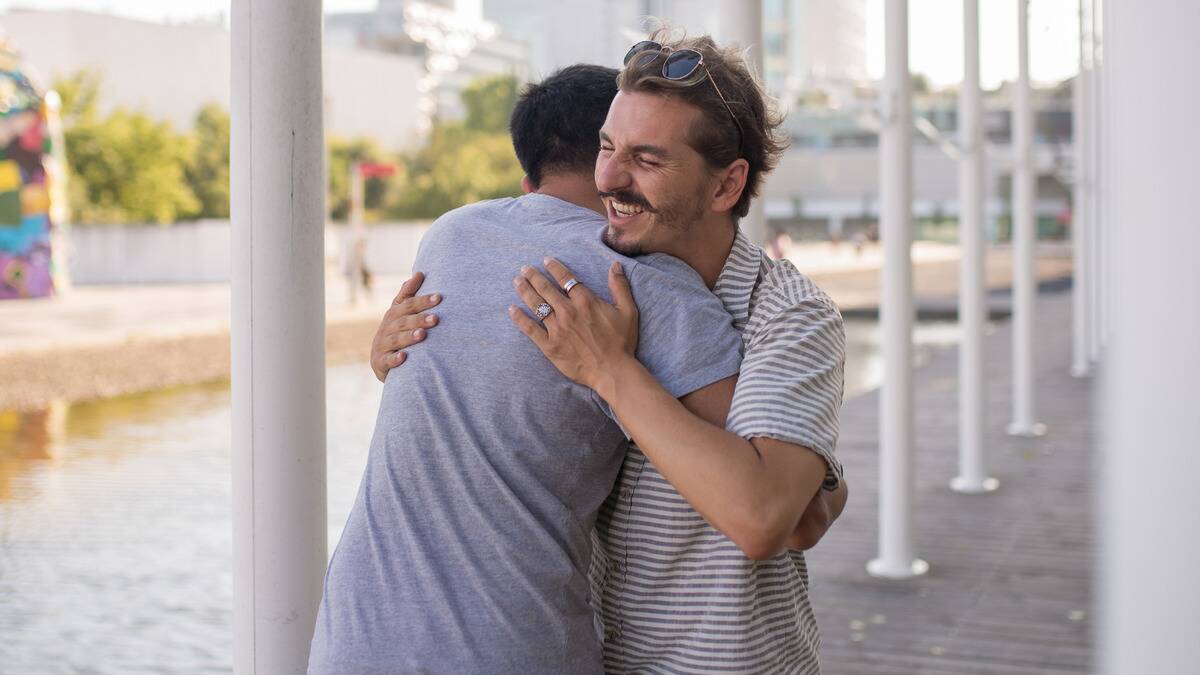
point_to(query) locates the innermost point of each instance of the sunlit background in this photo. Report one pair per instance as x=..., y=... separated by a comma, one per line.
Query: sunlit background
x=115, y=508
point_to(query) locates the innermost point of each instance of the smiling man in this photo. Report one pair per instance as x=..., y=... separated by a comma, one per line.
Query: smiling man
x=468, y=547
x=693, y=571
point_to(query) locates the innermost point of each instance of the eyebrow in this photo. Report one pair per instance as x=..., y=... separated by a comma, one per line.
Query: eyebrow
x=644, y=148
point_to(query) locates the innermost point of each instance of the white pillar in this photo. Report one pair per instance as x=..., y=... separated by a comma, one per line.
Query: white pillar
x=1099, y=156
x=740, y=23
x=1081, y=206
x=358, y=233
x=278, y=324
x=1024, y=186
x=1105, y=233
x=897, y=557
x=1149, y=590
x=972, y=293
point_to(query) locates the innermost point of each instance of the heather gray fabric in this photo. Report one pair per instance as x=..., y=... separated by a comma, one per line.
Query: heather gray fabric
x=468, y=547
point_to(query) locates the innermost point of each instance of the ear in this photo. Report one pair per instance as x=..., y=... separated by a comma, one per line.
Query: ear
x=527, y=185
x=731, y=181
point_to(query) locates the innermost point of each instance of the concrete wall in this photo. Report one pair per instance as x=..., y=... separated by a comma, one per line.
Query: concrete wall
x=198, y=252
x=171, y=71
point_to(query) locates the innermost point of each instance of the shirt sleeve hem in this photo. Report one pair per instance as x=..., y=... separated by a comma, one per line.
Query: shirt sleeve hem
x=833, y=468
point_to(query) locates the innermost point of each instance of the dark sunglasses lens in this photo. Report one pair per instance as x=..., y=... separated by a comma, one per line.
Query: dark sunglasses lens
x=640, y=47
x=681, y=64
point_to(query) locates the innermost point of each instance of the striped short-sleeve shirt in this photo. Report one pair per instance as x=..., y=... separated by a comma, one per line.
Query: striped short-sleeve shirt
x=672, y=593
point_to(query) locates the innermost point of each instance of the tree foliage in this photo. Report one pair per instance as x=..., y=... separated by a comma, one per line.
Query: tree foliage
x=464, y=161
x=127, y=167
x=207, y=170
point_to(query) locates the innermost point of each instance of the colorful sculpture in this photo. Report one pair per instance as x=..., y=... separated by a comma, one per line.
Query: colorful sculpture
x=27, y=184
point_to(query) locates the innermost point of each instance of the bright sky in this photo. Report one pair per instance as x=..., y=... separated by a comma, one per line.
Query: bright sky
x=935, y=37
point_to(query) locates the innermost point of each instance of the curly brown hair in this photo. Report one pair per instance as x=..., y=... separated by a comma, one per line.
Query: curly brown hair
x=717, y=136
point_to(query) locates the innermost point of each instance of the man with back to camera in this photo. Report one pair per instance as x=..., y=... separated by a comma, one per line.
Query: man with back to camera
x=468, y=546
x=703, y=583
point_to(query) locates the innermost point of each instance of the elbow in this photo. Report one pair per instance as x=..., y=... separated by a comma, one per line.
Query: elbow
x=761, y=539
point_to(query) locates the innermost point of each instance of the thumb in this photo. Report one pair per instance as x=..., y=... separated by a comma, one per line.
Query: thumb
x=618, y=285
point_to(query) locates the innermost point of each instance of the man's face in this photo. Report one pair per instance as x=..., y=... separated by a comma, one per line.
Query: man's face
x=655, y=187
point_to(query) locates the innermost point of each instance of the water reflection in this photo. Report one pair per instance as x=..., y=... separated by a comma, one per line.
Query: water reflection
x=115, y=523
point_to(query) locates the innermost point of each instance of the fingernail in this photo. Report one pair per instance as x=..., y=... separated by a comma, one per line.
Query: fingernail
x=547, y=260
x=512, y=310
x=435, y=298
x=419, y=333
x=430, y=319
x=517, y=282
x=399, y=357
x=616, y=266
x=526, y=269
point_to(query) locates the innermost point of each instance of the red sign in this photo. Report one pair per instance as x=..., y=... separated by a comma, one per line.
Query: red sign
x=376, y=170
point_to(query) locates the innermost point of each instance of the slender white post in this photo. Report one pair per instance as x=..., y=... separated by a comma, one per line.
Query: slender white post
x=1024, y=238
x=1105, y=234
x=278, y=323
x=358, y=232
x=897, y=558
x=972, y=296
x=741, y=24
x=1099, y=157
x=1081, y=208
x=1149, y=617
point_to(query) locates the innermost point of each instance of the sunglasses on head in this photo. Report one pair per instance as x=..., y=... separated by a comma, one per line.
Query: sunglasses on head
x=680, y=64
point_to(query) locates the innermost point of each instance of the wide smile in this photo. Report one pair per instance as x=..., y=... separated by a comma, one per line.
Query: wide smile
x=621, y=213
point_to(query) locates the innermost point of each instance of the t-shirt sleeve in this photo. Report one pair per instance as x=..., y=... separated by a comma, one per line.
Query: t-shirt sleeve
x=686, y=339
x=791, y=381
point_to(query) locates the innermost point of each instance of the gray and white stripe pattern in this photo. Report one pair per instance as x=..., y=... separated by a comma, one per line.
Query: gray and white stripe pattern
x=674, y=594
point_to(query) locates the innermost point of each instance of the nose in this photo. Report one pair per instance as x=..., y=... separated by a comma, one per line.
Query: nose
x=610, y=173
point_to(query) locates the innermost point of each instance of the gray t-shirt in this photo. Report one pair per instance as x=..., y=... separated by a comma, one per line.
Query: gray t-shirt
x=467, y=549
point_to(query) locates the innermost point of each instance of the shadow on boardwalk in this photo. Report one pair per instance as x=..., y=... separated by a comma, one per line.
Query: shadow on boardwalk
x=1009, y=589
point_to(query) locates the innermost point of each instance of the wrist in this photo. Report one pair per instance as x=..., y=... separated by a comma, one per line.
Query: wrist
x=609, y=377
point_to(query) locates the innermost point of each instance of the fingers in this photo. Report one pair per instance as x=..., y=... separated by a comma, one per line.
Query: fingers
x=528, y=295
x=408, y=330
x=409, y=288
x=618, y=285
x=547, y=290
x=532, y=329
x=562, y=275
x=412, y=305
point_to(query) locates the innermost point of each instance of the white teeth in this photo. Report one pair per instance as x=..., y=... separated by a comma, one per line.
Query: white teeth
x=626, y=210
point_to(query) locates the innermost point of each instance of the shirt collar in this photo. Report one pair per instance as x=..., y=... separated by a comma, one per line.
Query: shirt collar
x=738, y=278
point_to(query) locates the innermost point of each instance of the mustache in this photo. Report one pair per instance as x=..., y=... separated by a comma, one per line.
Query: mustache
x=627, y=197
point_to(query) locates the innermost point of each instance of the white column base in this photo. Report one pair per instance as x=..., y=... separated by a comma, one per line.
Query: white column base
x=888, y=569
x=1081, y=371
x=1027, y=430
x=971, y=486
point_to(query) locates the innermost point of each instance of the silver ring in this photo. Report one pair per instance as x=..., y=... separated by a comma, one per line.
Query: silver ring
x=543, y=310
x=571, y=283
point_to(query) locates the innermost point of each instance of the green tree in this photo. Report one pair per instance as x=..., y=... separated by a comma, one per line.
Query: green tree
x=130, y=168
x=207, y=170
x=125, y=167
x=464, y=161
x=489, y=102
x=342, y=153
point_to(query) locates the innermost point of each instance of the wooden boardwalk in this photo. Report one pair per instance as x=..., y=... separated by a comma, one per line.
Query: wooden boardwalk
x=1009, y=591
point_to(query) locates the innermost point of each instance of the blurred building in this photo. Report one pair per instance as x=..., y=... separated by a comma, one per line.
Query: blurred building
x=171, y=71
x=814, y=44
x=452, y=39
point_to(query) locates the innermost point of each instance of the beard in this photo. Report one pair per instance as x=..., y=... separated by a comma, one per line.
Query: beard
x=674, y=217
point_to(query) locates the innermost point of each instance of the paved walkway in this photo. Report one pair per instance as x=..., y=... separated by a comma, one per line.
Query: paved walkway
x=1009, y=589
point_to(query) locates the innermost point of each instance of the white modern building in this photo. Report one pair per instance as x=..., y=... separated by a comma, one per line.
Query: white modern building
x=171, y=71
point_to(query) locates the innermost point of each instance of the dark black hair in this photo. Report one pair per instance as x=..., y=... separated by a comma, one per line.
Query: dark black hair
x=555, y=125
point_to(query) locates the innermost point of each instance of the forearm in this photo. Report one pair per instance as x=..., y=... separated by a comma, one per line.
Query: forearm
x=750, y=497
